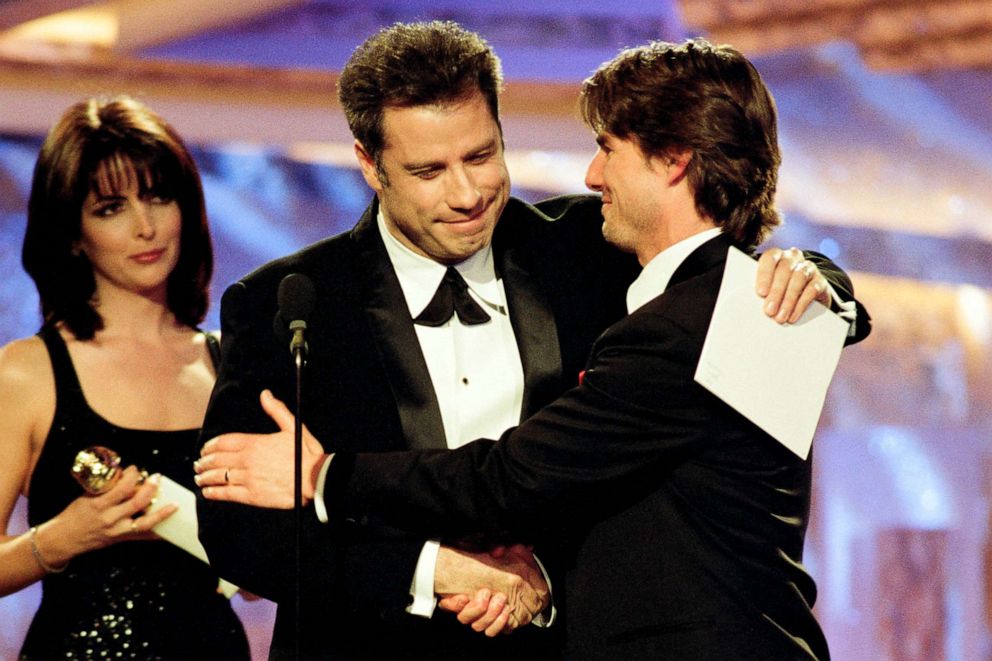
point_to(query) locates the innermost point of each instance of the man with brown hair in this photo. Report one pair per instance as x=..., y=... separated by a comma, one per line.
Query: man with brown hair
x=382, y=377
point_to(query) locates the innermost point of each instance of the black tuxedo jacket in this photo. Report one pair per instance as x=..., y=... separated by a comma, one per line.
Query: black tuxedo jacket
x=687, y=520
x=366, y=389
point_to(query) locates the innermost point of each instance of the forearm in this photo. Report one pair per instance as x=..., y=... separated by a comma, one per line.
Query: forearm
x=19, y=557
x=251, y=547
x=561, y=468
x=376, y=576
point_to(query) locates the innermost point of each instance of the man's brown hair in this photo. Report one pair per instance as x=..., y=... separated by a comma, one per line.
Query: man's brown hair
x=705, y=99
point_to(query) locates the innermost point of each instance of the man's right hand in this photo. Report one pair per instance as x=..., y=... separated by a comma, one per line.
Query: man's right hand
x=492, y=592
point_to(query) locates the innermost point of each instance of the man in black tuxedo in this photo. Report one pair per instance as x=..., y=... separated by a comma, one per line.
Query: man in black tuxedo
x=431, y=148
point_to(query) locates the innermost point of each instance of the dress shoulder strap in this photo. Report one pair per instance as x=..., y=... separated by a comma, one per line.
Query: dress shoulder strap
x=66, y=378
x=213, y=346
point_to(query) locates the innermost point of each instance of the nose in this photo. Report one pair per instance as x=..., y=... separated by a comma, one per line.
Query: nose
x=594, y=173
x=463, y=194
x=144, y=221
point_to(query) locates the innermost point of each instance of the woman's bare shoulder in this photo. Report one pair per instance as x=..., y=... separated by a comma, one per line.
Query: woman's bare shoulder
x=25, y=373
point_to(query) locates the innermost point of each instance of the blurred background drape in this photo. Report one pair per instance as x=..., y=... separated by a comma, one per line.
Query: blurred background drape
x=886, y=130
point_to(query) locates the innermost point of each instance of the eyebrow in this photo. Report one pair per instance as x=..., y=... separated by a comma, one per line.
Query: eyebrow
x=430, y=165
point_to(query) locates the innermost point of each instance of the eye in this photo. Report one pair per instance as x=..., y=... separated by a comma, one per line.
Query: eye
x=157, y=195
x=108, y=208
x=427, y=174
x=479, y=159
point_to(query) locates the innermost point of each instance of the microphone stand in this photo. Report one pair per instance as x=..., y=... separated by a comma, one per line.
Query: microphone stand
x=299, y=348
x=295, y=298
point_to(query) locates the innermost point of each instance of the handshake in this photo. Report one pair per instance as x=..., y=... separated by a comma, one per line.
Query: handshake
x=492, y=591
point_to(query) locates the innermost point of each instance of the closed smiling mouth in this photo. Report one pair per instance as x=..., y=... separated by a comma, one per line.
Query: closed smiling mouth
x=148, y=255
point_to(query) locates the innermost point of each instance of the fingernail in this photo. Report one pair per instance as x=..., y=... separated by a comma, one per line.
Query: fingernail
x=770, y=307
x=196, y=479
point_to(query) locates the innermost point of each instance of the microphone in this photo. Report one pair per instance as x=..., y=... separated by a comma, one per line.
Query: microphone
x=296, y=297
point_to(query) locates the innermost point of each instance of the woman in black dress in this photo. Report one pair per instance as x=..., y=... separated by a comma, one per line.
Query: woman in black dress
x=118, y=246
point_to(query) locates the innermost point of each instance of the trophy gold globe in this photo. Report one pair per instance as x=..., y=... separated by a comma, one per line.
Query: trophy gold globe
x=97, y=469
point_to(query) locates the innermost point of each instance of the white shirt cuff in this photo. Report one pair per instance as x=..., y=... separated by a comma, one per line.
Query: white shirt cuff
x=545, y=618
x=848, y=310
x=318, y=496
x=422, y=585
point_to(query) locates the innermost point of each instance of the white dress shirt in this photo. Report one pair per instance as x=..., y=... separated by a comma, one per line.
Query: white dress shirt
x=475, y=370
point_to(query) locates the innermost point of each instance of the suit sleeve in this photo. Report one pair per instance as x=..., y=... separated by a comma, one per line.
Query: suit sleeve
x=844, y=288
x=253, y=547
x=636, y=411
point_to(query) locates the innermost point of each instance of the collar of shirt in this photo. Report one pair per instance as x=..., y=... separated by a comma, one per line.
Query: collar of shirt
x=420, y=276
x=655, y=275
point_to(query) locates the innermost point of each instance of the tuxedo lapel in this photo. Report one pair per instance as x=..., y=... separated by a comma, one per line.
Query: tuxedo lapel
x=707, y=256
x=533, y=327
x=396, y=340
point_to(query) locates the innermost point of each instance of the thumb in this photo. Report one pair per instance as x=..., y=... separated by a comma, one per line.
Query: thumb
x=276, y=410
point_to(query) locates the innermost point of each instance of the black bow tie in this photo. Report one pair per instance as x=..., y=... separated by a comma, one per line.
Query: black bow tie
x=452, y=297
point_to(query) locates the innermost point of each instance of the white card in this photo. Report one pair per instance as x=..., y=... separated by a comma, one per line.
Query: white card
x=774, y=375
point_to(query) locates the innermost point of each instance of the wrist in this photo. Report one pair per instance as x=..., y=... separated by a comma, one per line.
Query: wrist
x=46, y=556
x=310, y=485
x=442, y=572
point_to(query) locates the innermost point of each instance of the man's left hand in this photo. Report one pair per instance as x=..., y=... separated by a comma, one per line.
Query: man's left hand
x=257, y=469
x=789, y=283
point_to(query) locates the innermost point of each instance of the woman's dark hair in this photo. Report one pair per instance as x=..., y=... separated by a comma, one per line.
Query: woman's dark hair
x=96, y=145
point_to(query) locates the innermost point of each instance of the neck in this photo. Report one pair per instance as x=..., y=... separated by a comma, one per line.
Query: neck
x=133, y=314
x=669, y=234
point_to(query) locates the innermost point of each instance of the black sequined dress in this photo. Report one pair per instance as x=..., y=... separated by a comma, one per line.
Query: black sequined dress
x=133, y=600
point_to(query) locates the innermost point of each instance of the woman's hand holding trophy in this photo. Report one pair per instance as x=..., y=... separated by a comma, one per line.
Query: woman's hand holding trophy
x=116, y=507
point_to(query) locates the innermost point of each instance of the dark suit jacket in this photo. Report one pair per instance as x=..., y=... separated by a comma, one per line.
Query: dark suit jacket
x=366, y=389
x=689, y=521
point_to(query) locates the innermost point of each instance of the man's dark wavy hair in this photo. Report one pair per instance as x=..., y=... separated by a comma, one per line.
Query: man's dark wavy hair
x=415, y=64
x=705, y=99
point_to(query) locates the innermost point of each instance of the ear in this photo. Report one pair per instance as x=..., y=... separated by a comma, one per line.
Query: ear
x=367, y=166
x=678, y=163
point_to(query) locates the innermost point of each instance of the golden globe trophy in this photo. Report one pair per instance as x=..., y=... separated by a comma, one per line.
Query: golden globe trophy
x=97, y=469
